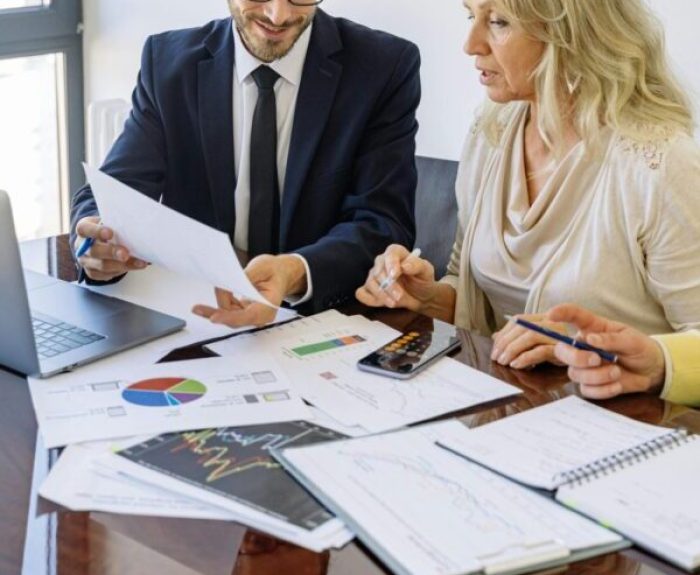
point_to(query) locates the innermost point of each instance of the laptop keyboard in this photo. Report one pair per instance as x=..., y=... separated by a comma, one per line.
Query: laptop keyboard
x=56, y=337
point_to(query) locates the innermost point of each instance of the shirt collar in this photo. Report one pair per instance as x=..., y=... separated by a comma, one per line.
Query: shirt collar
x=290, y=67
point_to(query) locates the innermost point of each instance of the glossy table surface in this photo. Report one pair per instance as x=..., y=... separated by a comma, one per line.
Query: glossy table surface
x=36, y=538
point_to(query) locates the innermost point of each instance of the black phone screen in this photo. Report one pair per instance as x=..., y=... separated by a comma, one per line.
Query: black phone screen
x=413, y=350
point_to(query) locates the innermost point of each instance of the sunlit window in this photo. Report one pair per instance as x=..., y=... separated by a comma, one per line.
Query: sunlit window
x=12, y=4
x=30, y=163
x=41, y=111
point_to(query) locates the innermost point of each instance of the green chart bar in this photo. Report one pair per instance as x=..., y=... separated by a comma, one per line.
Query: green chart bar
x=313, y=348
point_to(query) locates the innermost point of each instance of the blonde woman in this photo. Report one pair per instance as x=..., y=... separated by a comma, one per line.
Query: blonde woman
x=579, y=182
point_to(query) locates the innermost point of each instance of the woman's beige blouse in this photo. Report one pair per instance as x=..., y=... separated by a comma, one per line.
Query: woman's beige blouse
x=618, y=232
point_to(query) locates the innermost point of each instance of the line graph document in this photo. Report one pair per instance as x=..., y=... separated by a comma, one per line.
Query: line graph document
x=176, y=396
x=537, y=446
x=232, y=468
x=379, y=403
x=448, y=516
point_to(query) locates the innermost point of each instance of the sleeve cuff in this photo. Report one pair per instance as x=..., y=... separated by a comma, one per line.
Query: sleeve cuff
x=295, y=301
x=450, y=280
x=669, y=365
x=682, y=383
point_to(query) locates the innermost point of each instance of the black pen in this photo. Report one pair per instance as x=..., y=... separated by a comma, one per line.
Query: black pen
x=577, y=343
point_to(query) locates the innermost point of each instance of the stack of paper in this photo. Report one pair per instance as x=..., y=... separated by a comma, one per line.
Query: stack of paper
x=80, y=482
x=125, y=395
x=232, y=468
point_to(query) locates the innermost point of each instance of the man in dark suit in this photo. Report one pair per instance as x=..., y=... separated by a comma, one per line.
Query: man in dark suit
x=291, y=130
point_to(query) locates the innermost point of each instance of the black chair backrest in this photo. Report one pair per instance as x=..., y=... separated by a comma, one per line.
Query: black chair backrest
x=436, y=210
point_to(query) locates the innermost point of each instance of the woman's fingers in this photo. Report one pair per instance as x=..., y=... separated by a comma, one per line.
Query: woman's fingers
x=373, y=295
x=539, y=354
x=603, y=375
x=569, y=355
x=386, y=283
x=599, y=392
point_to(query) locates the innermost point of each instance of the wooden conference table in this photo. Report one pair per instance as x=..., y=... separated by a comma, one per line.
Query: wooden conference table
x=36, y=538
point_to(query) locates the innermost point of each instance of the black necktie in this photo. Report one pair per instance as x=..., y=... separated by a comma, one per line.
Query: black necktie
x=264, y=218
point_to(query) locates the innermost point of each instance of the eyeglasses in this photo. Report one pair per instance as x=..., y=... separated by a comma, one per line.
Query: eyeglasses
x=301, y=3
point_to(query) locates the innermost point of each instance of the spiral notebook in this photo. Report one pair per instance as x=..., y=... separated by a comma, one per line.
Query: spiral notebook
x=638, y=479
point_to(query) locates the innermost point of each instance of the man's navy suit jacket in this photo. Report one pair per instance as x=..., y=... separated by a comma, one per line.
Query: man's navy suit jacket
x=351, y=178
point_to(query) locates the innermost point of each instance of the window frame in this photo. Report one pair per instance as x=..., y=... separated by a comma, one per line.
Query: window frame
x=55, y=29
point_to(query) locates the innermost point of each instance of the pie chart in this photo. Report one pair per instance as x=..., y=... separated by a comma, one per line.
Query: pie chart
x=164, y=392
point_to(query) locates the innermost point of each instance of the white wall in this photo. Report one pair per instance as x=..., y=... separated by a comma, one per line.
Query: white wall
x=116, y=29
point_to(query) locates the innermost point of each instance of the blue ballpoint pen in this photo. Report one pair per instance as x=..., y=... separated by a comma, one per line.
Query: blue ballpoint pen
x=578, y=344
x=84, y=247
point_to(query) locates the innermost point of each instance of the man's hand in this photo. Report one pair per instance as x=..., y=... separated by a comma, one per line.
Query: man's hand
x=275, y=277
x=105, y=260
x=519, y=347
x=640, y=366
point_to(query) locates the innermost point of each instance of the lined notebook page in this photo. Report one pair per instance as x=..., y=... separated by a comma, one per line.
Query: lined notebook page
x=654, y=501
x=536, y=446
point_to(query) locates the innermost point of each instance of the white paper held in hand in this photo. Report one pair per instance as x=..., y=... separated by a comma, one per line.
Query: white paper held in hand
x=160, y=235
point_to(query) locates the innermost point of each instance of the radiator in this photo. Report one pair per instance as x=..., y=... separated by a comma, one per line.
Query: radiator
x=105, y=123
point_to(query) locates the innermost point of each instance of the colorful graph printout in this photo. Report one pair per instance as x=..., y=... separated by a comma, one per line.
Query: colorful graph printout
x=164, y=392
x=319, y=347
x=235, y=463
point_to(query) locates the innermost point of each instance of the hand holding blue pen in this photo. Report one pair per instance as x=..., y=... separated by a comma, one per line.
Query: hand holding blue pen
x=605, y=355
x=87, y=243
x=84, y=247
x=101, y=257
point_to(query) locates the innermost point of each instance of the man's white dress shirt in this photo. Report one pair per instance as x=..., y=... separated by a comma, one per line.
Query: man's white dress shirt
x=245, y=97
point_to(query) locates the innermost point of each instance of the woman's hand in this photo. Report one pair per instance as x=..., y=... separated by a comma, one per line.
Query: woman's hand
x=519, y=347
x=640, y=366
x=399, y=279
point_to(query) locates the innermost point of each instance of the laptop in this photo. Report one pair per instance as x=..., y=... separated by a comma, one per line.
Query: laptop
x=49, y=326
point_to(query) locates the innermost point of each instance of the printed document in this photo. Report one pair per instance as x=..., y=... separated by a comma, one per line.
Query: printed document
x=95, y=404
x=423, y=510
x=231, y=467
x=175, y=294
x=160, y=235
x=320, y=354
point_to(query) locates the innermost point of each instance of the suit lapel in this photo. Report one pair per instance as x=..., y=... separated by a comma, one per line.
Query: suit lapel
x=317, y=90
x=215, y=89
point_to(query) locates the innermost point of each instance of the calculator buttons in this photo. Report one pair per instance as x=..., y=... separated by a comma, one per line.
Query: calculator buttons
x=410, y=345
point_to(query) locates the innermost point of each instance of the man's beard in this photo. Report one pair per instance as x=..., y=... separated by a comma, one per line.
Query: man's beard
x=265, y=49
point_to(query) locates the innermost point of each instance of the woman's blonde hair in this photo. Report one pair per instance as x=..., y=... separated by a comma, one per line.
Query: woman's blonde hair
x=607, y=59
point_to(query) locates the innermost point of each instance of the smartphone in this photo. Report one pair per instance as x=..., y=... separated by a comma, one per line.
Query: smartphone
x=412, y=351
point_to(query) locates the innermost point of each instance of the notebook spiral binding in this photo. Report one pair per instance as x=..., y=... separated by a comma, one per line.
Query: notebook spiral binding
x=612, y=463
